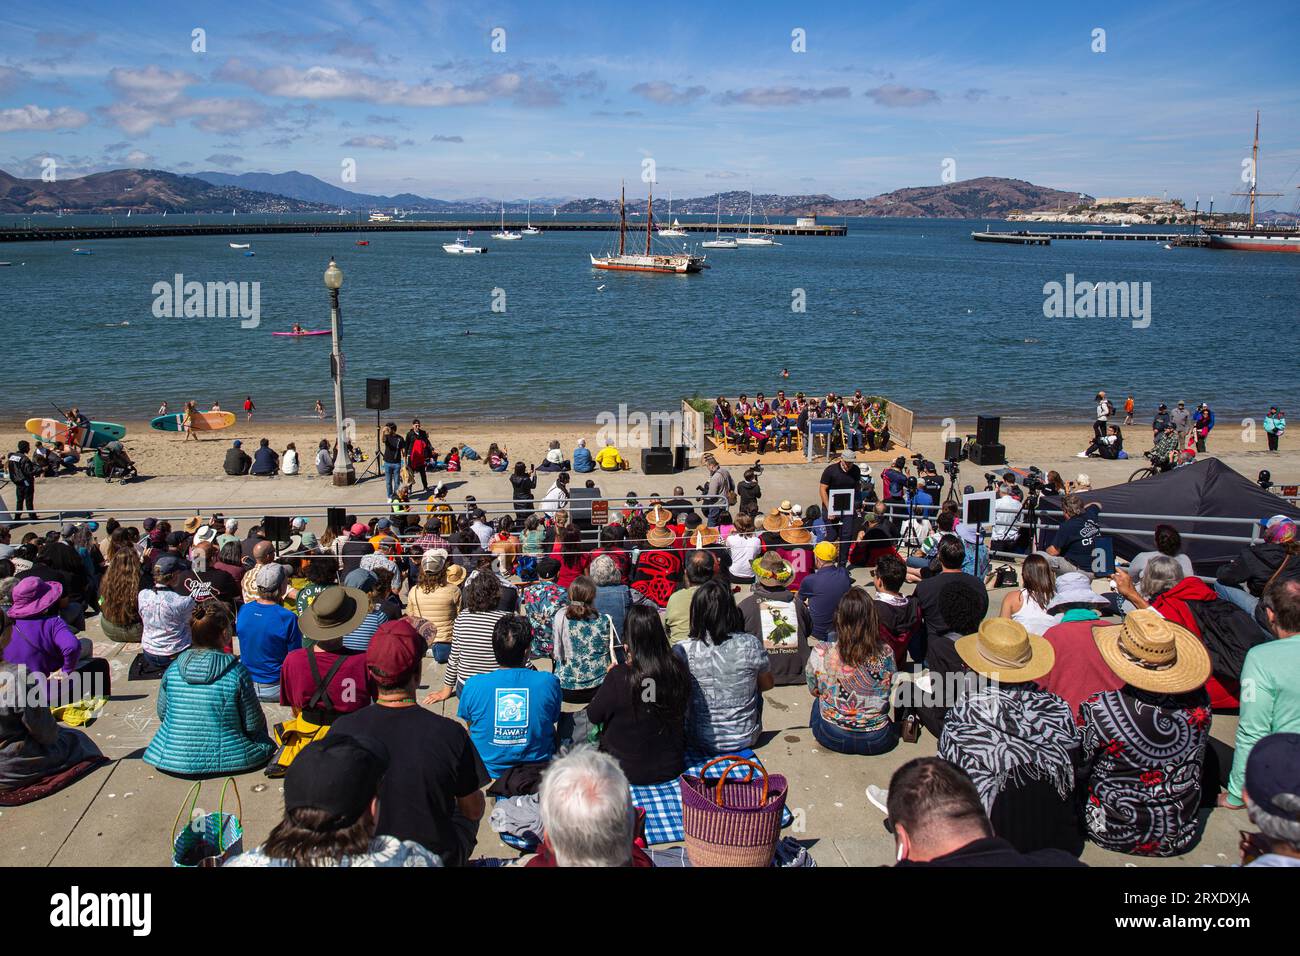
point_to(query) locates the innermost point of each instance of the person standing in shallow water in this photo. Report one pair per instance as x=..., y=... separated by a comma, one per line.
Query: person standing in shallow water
x=320, y=410
x=249, y=408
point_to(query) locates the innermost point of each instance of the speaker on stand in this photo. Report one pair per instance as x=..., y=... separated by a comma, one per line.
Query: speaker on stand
x=377, y=397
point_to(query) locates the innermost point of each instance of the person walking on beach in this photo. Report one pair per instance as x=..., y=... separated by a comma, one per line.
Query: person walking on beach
x=187, y=422
x=22, y=472
x=1203, y=422
x=1128, y=410
x=320, y=410
x=1274, y=426
x=249, y=408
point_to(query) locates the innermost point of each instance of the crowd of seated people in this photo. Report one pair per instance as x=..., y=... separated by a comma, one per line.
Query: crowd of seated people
x=780, y=423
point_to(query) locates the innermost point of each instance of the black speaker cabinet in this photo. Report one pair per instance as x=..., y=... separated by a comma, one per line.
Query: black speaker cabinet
x=276, y=527
x=657, y=461
x=377, y=393
x=986, y=429
x=681, y=459
x=952, y=449
x=990, y=454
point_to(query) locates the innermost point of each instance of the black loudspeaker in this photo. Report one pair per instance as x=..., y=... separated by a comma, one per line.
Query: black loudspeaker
x=952, y=449
x=335, y=518
x=377, y=393
x=991, y=454
x=986, y=429
x=276, y=527
x=657, y=461
x=681, y=460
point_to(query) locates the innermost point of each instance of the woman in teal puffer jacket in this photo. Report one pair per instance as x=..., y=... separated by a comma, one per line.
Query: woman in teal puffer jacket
x=212, y=723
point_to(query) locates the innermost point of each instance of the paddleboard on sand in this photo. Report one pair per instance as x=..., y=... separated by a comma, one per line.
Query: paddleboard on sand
x=304, y=332
x=52, y=430
x=203, y=421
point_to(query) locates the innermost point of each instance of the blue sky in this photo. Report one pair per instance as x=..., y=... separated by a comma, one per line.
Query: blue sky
x=712, y=92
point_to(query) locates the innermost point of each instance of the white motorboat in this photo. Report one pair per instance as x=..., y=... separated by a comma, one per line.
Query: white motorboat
x=380, y=217
x=240, y=245
x=461, y=247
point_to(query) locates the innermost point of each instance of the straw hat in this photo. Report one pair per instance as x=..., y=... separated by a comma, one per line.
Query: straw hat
x=702, y=537
x=772, y=569
x=659, y=515
x=192, y=524
x=786, y=508
x=774, y=520
x=660, y=537
x=456, y=574
x=1003, y=650
x=796, y=533
x=1154, y=654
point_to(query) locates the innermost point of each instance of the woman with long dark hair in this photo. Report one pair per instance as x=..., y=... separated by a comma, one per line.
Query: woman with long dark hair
x=1030, y=604
x=642, y=704
x=851, y=680
x=573, y=559
x=119, y=591
x=729, y=673
x=522, y=484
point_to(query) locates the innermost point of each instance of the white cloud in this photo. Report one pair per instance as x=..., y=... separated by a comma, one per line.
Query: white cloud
x=782, y=95
x=658, y=91
x=38, y=118
x=371, y=142
x=331, y=83
x=894, y=95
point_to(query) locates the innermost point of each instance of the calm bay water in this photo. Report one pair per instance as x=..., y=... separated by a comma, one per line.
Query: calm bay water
x=911, y=309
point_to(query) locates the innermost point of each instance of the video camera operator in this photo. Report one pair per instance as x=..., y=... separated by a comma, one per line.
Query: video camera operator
x=894, y=479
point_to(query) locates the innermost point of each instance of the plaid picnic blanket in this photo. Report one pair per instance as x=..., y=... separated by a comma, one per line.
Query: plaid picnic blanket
x=662, y=803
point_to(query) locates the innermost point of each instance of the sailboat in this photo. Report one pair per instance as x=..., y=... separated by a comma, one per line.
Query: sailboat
x=719, y=241
x=679, y=263
x=753, y=238
x=530, y=229
x=675, y=231
x=505, y=233
x=1254, y=238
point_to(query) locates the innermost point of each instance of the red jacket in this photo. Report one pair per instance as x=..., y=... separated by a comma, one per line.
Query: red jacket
x=1173, y=606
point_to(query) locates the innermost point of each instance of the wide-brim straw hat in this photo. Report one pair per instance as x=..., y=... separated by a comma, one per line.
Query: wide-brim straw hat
x=774, y=520
x=1154, y=654
x=796, y=533
x=778, y=576
x=660, y=537
x=702, y=537
x=658, y=515
x=336, y=612
x=1003, y=650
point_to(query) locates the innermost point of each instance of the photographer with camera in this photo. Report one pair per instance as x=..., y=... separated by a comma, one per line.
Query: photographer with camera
x=894, y=479
x=719, y=491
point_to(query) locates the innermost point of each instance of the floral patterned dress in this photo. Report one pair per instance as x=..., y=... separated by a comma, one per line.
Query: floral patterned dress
x=1147, y=752
x=581, y=652
x=539, y=602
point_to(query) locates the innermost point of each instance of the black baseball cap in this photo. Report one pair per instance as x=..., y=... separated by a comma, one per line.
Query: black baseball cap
x=339, y=774
x=1273, y=769
x=548, y=567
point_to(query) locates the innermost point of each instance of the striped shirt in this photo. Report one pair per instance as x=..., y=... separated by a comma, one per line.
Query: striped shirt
x=471, y=646
x=359, y=640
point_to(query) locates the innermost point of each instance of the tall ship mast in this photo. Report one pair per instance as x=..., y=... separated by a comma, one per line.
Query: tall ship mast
x=1254, y=238
x=679, y=263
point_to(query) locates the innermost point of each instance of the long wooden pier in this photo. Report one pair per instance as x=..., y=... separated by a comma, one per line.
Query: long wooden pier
x=91, y=233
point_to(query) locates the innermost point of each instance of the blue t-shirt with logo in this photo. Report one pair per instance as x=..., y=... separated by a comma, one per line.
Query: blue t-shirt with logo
x=511, y=715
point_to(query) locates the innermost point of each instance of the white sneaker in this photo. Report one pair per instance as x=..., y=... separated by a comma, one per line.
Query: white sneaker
x=878, y=797
x=1082, y=454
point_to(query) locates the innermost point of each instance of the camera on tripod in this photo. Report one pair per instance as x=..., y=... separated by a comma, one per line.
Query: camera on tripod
x=1034, y=480
x=951, y=467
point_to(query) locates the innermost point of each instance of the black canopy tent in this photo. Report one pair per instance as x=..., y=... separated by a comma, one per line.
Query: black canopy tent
x=1208, y=489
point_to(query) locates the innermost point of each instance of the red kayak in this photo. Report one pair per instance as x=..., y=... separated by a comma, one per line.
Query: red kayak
x=363, y=242
x=303, y=334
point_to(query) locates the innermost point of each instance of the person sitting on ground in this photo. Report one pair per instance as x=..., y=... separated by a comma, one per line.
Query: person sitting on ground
x=33, y=747
x=1168, y=542
x=700, y=567
x=613, y=597
x=289, y=460
x=1072, y=548
x=1144, y=744
x=472, y=650
x=119, y=592
x=331, y=808
x=774, y=614
x=851, y=680
x=268, y=631
x=729, y=671
x=435, y=599
x=582, y=639
x=210, y=721
x=1030, y=604
x=237, y=461
x=1243, y=579
x=1273, y=801
x=582, y=459
x=539, y=602
x=554, y=460
x=646, y=737
x=1079, y=671
x=1019, y=744
x=937, y=818
x=613, y=544
x=947, y=677
x=820, y=592
x=511, y=712
x=432, y=793
x=324, y=460
x=497, y=458
x=608, y=458
x=326, y=668
x=42, y=642
x=587, y=814
x=899, y=616
x=1108, y=446
x=165, y=614
x=265, y=461
x=952, y=556
x=1273, y=671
